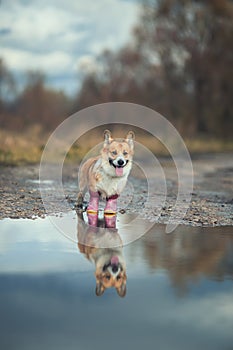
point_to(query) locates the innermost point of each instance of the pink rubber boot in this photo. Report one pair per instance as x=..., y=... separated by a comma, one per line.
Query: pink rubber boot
x=93, y=205
x=110, y=220
x=111, y=205
x=92, y=219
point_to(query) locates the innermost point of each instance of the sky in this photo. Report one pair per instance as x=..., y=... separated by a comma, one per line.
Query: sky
x=62, y=38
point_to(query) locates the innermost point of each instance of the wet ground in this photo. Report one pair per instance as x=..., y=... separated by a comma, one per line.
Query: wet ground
x=169, y=291
x=211, y=203
x=178, y=293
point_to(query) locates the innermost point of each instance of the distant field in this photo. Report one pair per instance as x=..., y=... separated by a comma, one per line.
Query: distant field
x=27, y=147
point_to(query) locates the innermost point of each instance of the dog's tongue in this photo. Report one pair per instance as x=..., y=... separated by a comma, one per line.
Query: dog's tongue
x=119, y=171
x=114, y=260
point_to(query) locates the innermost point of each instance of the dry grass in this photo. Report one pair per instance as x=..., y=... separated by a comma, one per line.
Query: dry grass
x=208, y=145
x=27, y=147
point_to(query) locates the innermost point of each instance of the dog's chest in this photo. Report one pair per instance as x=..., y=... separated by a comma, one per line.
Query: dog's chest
x=109, y=186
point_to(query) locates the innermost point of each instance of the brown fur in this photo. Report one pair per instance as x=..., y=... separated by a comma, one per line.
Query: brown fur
x=97, y=174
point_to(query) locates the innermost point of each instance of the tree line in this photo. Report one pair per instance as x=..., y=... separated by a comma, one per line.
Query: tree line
x=179, y=62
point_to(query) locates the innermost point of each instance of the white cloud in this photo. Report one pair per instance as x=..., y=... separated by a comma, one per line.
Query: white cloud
x=33, y=24
x=52, y=63
x=219, y=317
x=53, y=36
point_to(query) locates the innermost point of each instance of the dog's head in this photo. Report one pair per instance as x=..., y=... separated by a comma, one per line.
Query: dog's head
x=111, y=273
x=118, y=154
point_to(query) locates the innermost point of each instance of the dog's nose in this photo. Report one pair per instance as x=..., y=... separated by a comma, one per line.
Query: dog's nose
x=120, y=162
x=114, y=268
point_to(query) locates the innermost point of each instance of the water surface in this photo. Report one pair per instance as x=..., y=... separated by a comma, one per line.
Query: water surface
x=179, y=290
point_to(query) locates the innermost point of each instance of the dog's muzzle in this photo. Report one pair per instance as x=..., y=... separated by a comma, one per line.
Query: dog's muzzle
x=119, y=164
x=114, y=267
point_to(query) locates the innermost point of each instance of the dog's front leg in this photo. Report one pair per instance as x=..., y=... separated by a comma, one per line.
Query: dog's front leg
x=93, y=205
x=111, y=204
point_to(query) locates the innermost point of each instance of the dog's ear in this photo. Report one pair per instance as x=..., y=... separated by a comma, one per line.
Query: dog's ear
x=107, y=136
x=122, y=290
x=130, y=138
x=99, y=290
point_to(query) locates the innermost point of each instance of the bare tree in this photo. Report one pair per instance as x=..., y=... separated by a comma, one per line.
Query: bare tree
x=179, y=62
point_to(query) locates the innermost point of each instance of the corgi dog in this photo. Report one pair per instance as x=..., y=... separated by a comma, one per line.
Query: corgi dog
x=101, y=244
x=106, y=175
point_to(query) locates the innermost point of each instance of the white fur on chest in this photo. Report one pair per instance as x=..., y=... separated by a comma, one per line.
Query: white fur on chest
x=104, y=256
x=111, y=185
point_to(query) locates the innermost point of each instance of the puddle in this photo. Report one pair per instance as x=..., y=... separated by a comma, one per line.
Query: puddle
x=75, y=228
x=178, y=292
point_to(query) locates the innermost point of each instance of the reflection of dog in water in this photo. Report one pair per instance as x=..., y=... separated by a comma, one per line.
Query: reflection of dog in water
x=102, y=245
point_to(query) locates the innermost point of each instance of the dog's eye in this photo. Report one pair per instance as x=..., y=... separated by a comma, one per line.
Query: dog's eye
x=118, y=278
x=114, y=153
x=107, y=277
x=125, y=153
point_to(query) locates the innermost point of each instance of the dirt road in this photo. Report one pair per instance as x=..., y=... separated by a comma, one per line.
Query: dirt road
x=211, y=203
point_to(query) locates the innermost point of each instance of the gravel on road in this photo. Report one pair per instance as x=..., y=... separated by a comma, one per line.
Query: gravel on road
x=211, y=203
